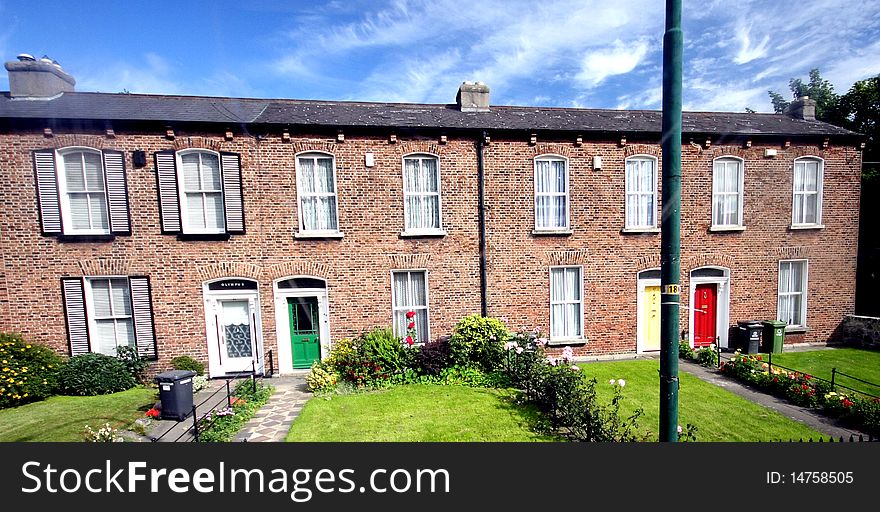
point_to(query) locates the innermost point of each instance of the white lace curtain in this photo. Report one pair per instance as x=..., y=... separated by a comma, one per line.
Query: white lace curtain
x=421, y=190
x=551, y=195
x=317, y=194
x=726, y=192
x=640, y=192
x=565, y=303
x=411, y=294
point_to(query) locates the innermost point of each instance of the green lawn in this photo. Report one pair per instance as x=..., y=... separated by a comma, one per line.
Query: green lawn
x=718, y=414
x=863, y=364
x=63, y=418
x=456, y=413
x=418, y=412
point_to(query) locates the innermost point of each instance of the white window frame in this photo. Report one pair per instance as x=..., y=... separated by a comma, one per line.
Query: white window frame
x=820, y=180
x=299, y=194
x=628, y=223
x=551, y=158
x=580, y=336
x=92, y=317
x=726, y=160
x=427, y=307
x=803, y=293
x=429, y=231
x=184, y=212
x=64, y=195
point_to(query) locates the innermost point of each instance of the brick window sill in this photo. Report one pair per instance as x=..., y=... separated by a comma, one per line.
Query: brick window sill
x=639, y=231
x=562, y=343
x=727, y=229
x=426, y=234
x=796, y=330
x=552, y=232
x=805, y=227
x=326, y=235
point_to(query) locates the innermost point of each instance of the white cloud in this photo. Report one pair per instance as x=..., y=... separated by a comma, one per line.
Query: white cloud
x=747, y=51
x=864, y=63
x=151, y=77
x=617, y=59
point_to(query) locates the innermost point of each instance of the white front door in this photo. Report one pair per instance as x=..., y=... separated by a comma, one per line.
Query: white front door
x=233, y=335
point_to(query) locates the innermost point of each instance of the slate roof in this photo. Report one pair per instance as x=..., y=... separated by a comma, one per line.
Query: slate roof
x=238, y=111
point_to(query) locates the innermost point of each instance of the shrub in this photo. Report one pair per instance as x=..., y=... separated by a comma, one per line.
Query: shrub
x=188, y=363
x=200, y=382
x=478, y=341
x=685, y=351
x=383, y=348
x=567, y=400
x=28, y=372
x=432, y=358
x=105, y=434
x=136, y=365
x=321, y=378
x=372, y=359
x=94, y=374
x=707, y=356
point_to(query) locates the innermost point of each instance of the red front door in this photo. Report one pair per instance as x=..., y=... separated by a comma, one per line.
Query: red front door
x=705, y=307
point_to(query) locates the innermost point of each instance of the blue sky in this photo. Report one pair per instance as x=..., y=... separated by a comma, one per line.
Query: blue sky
x=594, y=54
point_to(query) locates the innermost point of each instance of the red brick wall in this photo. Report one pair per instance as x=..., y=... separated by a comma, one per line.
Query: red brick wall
x=357, y=267
x=519, y=261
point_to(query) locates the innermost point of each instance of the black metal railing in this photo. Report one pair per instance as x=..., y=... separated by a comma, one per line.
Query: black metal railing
x=834, y=383
x=199, y=422
x=852, y=439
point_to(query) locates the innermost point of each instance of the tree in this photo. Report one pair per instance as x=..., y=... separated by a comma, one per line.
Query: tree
x=817, y=89
x=859, y=110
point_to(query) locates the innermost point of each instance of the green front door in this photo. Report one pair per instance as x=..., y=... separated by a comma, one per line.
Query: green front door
x=304, y=330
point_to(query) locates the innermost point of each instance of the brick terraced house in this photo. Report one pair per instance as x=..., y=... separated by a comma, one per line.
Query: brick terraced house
x=226, y=228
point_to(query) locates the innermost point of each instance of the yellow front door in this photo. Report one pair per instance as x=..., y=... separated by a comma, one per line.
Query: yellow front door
x=651, y=318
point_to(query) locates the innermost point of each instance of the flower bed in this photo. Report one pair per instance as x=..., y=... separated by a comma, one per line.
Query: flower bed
x=862, y=413
x=221, y=425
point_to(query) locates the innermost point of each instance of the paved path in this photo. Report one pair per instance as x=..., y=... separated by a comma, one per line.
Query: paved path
x=273, y=420
x=816, y=421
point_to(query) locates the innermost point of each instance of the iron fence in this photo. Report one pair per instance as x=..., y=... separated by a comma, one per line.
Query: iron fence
x=834, y=373
x=201, y=422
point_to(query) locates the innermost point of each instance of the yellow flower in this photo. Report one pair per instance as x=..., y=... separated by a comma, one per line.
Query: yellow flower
x=27, y=346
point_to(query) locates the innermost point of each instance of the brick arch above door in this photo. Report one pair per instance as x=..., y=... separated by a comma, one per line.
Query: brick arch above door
x=230, y=269
x=707, y=260
x=296, y=268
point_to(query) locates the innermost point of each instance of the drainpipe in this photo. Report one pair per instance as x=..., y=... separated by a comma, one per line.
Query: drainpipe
x=481, y=215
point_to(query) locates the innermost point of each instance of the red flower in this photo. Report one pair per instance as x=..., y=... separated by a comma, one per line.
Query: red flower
x=847, y=402
x=152, y=413
x=412, y=325
x=409, y=340
x=410, y=314
x=759, y=358
x=808, y=377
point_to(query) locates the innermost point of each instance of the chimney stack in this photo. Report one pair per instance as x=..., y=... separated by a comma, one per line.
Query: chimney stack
x=473, y=97
x=802, y=108
x=37, y=78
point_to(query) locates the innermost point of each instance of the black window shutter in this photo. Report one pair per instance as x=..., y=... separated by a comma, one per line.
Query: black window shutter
x=47, y=191
x=169, y=201
x=73, y=296
x=142, y=312
x=117, y=193
x=233, y=197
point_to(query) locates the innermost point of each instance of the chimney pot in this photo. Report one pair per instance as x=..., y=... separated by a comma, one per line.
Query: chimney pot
x=37, y=79
x=473, y=97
